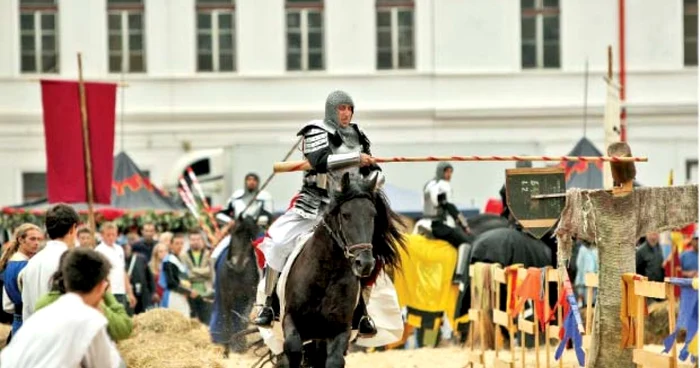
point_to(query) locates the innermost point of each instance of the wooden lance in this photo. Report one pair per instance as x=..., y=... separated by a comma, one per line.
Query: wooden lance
x=290, y=166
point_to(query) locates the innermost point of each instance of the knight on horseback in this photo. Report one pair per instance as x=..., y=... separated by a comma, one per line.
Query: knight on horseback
x=441, y=216
x=261, y=209
x=333, y=146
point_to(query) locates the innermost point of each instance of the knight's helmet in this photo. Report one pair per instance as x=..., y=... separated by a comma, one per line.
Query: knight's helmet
x=440, y=170
x=333, y=100
x=245, y=181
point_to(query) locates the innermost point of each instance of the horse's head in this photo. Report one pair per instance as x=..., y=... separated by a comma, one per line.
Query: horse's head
x=241, y=249
x=351, y=223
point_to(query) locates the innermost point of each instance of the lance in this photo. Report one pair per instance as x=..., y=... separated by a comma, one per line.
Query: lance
x=199, y=190
x=187, y=190
x=261, y=188
x=290, y=166
x=192, y=206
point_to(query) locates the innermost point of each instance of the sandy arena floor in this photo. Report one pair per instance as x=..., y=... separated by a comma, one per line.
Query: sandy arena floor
x=451, y=357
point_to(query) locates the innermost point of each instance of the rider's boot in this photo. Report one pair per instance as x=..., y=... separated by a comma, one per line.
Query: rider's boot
x=266, y=314
x=462, y=253
x=365, y=325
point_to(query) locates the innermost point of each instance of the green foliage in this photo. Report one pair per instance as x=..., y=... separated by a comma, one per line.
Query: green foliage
x=165, y=221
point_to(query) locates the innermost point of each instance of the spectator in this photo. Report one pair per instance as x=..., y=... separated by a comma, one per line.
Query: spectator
x=586, y=262
x=148, y=241
x=174, y=280
x=85, y=238
x=141, y=278
x=70, y=332
x=118, y=279
x=62, y=228
x=23, y=246
x=650, y=258
x=198, y=263
x=159, y=253
x=119, y=324
x=689, y=258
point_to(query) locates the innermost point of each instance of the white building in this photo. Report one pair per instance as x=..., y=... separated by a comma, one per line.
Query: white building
x=428, y=77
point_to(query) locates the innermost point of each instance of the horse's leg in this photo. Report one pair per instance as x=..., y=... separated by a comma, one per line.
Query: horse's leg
x=293, y=345
x=336, y=349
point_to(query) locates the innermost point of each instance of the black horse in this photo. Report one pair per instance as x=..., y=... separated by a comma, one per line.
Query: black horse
x=356, y=238
x=235, y=286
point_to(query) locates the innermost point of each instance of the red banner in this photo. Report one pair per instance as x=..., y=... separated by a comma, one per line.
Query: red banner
x=63, y=134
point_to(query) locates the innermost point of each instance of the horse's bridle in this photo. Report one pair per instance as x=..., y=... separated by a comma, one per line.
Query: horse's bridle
x=351, y=251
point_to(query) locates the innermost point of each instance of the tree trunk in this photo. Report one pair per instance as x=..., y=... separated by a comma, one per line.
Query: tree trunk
x=614, y=225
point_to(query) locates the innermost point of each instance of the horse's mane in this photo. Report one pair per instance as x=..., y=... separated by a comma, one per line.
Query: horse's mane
x=387, y=237
x=244, y=224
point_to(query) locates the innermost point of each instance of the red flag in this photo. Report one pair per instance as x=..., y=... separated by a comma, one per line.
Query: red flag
x=63, y=134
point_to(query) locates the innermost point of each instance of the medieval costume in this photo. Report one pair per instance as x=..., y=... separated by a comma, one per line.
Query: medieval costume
x=174, y=281
x=439, y=209
x=260, y=209
x=67, y=333
x=332, y=150
x=12, y=291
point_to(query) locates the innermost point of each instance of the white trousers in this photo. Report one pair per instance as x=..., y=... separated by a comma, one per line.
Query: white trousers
x=282, y=237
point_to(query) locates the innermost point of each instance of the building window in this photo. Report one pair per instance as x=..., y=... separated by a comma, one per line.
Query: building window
x=690, y=32
x=33, y=186
x=304, y=34
x=126, y=36
x=395, y=41
x=540, y=33
x=216, y=24
x=38, y=36
x=691, y=171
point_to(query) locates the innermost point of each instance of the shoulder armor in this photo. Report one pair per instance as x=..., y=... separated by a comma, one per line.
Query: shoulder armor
x=364, y=140
x=316, y=124
x=238, y=194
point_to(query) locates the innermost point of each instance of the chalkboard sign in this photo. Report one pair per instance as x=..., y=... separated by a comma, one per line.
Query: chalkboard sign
x=536, y=197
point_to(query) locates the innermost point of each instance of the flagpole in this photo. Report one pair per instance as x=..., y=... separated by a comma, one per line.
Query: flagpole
x=86, y=146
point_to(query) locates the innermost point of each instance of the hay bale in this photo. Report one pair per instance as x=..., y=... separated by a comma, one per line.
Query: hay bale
x=165, y=338
x=656, y=324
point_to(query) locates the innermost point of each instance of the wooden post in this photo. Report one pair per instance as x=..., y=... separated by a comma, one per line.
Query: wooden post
x=86, y=146
x=610, y=62
x=623, y=73
x=611, y=119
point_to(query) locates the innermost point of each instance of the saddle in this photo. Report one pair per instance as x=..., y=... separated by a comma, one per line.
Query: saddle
x=424, y=228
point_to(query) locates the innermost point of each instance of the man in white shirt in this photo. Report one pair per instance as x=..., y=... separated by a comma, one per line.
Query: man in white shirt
x=119, y=280
x=72, y=331
x=62, y=226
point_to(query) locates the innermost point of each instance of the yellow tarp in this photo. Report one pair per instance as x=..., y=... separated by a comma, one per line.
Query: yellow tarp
x=424, y=282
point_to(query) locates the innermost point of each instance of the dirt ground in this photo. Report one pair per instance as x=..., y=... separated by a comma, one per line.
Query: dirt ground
x=451, y=357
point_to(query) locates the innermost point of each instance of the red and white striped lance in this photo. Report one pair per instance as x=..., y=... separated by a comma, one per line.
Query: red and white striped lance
x=202, y=197
x=188, y=203
x=289, y=166
x=188, y=192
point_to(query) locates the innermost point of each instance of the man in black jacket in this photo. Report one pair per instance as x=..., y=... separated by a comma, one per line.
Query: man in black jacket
x=650, y=259
x=141, y=278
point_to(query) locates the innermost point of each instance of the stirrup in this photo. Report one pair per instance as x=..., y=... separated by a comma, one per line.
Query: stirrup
x=260, y=315
x=366, y=319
